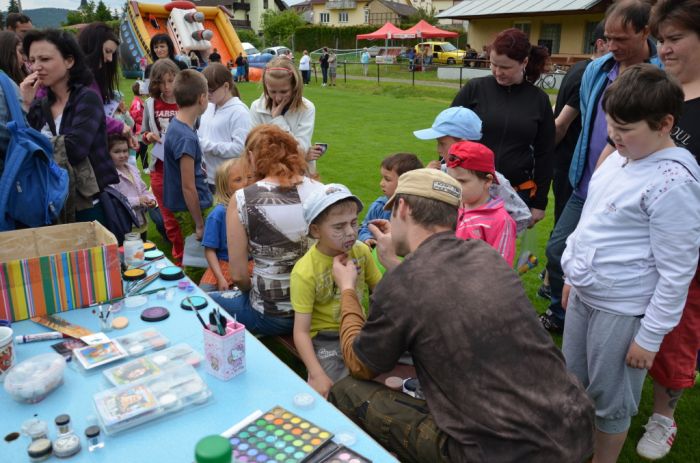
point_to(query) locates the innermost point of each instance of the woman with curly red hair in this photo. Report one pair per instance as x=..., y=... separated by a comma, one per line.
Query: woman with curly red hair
x=265, y=221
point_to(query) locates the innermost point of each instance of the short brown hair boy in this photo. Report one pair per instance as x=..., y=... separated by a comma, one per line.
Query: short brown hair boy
x=643, y=92
x=401, y=163
x=188, y=87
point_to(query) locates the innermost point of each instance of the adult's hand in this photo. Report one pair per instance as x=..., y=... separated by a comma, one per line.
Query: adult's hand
x=537, y=215
x=566, y=290
x=28, y=88
x=381, y=229
x=344, y=272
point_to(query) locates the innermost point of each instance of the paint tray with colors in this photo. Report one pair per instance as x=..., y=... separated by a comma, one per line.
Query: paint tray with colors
x=278, y=436
x=152, y=364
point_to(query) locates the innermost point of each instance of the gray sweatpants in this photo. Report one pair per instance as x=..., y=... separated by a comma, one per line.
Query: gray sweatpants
x=595, y=346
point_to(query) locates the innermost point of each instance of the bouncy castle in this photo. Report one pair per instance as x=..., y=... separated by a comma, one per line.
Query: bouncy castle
x=191, y=28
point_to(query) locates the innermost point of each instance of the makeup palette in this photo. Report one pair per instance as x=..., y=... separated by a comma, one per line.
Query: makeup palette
x=171, y=273
x=153, y=255
x=152, y=364
x=278, y=436
x=142, y=342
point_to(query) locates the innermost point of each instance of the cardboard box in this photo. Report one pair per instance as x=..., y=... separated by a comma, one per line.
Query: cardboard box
x=48, y=270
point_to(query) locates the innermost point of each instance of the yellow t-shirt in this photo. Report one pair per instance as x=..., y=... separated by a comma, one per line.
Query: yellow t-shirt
x=314, y=291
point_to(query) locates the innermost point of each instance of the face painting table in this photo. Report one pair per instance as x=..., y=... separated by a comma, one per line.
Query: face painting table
x=266, y=382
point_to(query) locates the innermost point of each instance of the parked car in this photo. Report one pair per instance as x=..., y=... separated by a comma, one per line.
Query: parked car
x=249, y=49
x=276, y=51
x=442, y=52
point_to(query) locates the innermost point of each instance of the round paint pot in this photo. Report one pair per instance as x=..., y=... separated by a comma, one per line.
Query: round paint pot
x=149, y=246
x=303, y=400
x=346, y=438
x=194, y=302
x=40, y=449
x=134, y=274
x=153, y=255
x=135, y=301
x=394, y=382
x=172, y=273
x=66, y=445
x=120, y=323
x=155, y=314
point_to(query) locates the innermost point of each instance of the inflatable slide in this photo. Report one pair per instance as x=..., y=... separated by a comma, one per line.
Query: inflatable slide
x=191, y=28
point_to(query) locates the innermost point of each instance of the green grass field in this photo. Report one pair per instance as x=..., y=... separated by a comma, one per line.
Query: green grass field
x=362, y=123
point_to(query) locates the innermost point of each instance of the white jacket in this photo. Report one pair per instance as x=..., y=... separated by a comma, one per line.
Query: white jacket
x=222, y=133
x=305, y=63
x=635, y=248
x=298, y=123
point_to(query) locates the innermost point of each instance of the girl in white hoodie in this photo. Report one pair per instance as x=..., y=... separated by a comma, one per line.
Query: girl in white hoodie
x=225, y=124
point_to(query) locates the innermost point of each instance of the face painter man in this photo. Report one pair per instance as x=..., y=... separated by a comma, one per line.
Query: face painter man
x=481, y=356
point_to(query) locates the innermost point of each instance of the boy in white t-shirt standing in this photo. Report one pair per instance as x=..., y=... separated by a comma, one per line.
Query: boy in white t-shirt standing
x=629, y=262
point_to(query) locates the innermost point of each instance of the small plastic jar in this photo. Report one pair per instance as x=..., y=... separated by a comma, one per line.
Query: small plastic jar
x=40, y=450
x=63, y=424
x=35, y=429
x=133, y=249
x=94, y=438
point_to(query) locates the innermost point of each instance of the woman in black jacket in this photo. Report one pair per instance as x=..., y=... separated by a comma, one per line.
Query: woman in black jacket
x=162, y=47
x=70, y=108
x=518, y=123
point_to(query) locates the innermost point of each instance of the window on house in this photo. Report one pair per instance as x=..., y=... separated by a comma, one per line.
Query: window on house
x=343, y=17
x=325, y=18
x=265, y=4
x=366, y=16
x=550, y=35
x=588, y=46
x=525, y=27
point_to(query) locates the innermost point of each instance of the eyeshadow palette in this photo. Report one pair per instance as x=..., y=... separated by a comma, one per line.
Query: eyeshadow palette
x=278, y=436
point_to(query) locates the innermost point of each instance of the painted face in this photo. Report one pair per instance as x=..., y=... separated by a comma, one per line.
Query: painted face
x=120, y=154
x=161, y=50
x=279, y=90
x=636, y=140
x=475, y=191
x=52, y=67
x=680, y=51
x=626, y=45
x=238, y=179
x=109, y=48
x=220, y=96
x=166, y=86
x=443, y=145
x=507, y=71
x=338, y=231
x=388, y=182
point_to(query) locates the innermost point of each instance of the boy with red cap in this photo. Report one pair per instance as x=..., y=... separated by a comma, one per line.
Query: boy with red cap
x=481, y=216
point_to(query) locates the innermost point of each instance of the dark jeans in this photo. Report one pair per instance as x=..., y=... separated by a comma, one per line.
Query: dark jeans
x=555, y=248
x=397, y=421
x=562, y=189
x=143, y=154
x=306, y=76
x=237, y=304
x=324, y=71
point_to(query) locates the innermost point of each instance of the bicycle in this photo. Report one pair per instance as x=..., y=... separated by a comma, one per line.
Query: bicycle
x=546, y=81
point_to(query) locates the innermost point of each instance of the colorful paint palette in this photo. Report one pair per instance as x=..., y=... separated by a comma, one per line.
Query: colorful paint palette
x=344, y=455
x=278, y=436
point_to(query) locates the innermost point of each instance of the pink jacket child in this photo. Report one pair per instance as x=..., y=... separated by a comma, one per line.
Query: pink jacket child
x=131, y=186
x=489, y=222
x=481, y=216
x=136, y=112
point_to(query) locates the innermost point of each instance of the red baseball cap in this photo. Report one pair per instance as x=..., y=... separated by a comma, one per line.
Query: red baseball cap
x=472, y=156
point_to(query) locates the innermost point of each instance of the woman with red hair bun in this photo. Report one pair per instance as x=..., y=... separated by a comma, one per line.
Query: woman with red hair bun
x=518, y=123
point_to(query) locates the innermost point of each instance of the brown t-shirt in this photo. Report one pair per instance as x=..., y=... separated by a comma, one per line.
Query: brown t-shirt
x=493, y=379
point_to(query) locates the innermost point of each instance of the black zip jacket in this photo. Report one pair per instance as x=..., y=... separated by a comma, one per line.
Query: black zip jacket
x=518, y=126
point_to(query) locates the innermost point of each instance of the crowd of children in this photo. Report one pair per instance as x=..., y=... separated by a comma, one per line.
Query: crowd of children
x=217, y=167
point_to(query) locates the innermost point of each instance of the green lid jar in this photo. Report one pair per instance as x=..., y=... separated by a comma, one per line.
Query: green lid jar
x=213, y=449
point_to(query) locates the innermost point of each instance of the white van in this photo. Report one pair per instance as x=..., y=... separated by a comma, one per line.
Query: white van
x=249, y=49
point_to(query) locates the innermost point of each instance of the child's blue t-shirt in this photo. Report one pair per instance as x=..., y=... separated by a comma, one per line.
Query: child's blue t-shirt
x=182, y=141
x=215, y=232
x=376, y=211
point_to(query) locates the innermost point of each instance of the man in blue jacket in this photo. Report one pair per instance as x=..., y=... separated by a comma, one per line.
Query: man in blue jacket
x=627, y=33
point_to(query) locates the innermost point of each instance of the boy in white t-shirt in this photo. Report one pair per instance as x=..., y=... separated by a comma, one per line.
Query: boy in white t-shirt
x=629, y=262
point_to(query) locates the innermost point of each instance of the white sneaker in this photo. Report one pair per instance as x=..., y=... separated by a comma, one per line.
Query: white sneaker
x=657, y=440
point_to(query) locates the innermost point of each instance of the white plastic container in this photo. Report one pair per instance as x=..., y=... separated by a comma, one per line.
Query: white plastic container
x=133, y=249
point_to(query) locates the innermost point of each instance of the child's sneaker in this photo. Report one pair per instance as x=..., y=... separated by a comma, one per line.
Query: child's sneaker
x=658, y=438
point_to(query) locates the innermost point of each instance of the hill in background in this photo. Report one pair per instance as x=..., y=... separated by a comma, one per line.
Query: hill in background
x=47, y=17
